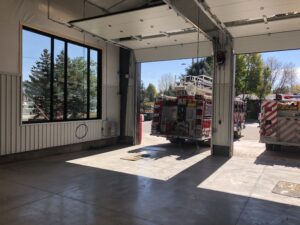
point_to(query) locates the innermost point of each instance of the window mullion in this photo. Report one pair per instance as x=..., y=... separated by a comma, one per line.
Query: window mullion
x=88, y=83
x=65, y=80
x=52, y=80
x=99, y=84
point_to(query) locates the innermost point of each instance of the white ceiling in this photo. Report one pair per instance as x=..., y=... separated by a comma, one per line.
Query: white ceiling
x=118, y=5
x=247, y=10
x=232, y=10
x=262, y=28
x=150, y=24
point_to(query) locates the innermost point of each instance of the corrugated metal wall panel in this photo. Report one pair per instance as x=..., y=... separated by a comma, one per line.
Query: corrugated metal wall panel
x=2, y=114
x=15, y=137
x=8, y=121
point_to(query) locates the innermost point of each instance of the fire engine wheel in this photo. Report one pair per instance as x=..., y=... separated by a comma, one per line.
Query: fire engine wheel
x=237, y=134
x=176, y=140
x=272, y=147
x=204, y=143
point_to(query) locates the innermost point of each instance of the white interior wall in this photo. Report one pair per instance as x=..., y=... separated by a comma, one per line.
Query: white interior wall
x=15, y=137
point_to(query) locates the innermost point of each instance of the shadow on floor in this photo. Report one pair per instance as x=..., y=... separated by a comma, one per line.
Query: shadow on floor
x=284, y=157
x=182, y=151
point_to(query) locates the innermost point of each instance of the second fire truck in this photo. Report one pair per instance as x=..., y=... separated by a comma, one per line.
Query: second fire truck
x=280, y=121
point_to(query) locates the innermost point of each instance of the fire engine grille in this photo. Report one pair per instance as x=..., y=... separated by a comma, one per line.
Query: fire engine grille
x=287, y=189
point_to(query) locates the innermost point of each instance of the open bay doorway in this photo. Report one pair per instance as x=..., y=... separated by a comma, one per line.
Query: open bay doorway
x=159, y=82
x=260, y=79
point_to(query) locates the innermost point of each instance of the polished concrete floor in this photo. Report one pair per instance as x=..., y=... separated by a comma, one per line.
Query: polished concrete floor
x=151, y=184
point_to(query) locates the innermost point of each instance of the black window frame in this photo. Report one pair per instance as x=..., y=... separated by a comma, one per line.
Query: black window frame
x=99, y=79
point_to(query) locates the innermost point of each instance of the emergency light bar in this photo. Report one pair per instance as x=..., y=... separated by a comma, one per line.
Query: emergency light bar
x=282, y=97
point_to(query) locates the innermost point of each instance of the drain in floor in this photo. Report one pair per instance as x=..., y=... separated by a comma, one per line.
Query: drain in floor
x=287, y=189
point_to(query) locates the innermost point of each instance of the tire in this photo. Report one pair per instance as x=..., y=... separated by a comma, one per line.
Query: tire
x=273, y=147
x=204, y=143
x=176, y=140
x=277, y=148
x=269, y=147
x=237, y=134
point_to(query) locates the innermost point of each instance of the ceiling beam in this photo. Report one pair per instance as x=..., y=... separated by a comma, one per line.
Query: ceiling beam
x=199, y=15
x=173, y=52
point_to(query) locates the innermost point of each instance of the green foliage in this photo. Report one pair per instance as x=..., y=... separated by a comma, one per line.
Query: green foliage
x=251, y=76
x=265, y=86
x=77, y=88
x=202, y=67
x=58, y=86
x=142, y=92
x=37, y=88
x=240, y=74
x=151, y=92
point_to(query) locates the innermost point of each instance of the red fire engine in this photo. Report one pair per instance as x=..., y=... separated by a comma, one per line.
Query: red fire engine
x=188, y=116
x=279, y=123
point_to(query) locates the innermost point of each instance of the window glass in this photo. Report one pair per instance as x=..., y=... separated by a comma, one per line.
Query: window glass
x=93, y=83
x=36, y=63
x=58, y=84
x=77, y=82
x=58, y=80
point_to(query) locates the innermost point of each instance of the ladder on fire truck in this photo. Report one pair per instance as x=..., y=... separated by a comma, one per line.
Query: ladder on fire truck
x=194, y=85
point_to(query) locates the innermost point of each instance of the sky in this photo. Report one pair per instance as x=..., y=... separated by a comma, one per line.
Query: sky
x=33, y=45
x=152, y=71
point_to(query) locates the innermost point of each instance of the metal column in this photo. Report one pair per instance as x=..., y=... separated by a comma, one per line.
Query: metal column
x=223, y=97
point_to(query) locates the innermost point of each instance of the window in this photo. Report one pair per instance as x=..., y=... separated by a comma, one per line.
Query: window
x=61, y=79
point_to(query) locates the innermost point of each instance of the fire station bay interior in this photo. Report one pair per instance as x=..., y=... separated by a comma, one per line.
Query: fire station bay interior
x=70, y=124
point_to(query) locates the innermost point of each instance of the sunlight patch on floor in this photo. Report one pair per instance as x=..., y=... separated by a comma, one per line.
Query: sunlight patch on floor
x=243, y=177
x=161, y=164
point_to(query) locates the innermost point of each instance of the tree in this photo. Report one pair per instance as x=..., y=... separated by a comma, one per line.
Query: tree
x=295, y=89
x=282, y=90
x=249, y=74
x=240, y=74
x=58, y=86
x=288, y=76
x=265, y=87
x=37, y=87
x=275, y=68
x=77, y=88
x=166, y=84
x=142, y=92
x=151, y=92
x=203, y=67
x=282, y=77
x=254, y=73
